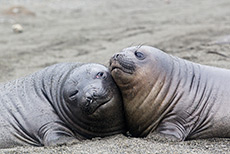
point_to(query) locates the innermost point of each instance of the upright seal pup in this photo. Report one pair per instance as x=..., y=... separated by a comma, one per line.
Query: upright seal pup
x=174, y=97
x=59, y=104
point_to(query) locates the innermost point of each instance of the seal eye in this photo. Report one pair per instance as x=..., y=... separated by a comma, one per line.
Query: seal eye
x=101, y=75
x=73, y=94
x=139, y=55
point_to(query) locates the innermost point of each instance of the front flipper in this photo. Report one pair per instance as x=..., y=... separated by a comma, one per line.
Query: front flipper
x=163, y=137
x=172, y=131
x=179, y=126
x=54, y=139
x=55, y=133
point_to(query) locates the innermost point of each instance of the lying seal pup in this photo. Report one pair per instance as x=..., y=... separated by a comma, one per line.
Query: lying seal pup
x=59, y=104
x=174, y=97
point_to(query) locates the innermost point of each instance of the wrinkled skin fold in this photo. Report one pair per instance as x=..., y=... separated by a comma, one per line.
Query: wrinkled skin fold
x=171, y=96
x=60, y=104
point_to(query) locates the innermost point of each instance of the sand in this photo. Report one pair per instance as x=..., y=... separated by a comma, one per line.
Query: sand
x=92, y=31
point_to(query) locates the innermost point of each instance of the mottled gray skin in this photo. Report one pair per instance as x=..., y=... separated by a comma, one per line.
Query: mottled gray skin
x=60, y=104
x=178, y=99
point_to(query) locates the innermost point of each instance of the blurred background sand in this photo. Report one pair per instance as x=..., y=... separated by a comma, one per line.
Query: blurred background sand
x=92, y=31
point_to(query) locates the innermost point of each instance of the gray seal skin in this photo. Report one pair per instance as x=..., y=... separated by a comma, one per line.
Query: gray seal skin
x=62, y=103
x=172, y=97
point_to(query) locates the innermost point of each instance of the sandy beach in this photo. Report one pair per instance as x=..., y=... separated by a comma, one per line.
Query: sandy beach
x=92, y=31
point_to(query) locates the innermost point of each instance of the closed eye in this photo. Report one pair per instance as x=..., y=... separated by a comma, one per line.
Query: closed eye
x=73, y=94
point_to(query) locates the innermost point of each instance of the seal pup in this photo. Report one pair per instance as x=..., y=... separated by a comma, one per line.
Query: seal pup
x=176, y=98
x=62, y=103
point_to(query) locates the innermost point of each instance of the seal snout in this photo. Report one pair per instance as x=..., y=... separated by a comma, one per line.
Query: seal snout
x=117, y=56
x=95, y=99
x=89, y=100
x=123, y=63
x=115, y=61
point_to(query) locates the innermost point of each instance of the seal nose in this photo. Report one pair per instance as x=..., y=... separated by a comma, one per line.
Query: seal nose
x=89, y=100
x=90, y=97
x=116, y=56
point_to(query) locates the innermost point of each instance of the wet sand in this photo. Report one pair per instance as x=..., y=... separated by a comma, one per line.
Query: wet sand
x=92, y=31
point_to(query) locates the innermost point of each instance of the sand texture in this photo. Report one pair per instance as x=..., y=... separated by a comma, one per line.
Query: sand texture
x=92, y=31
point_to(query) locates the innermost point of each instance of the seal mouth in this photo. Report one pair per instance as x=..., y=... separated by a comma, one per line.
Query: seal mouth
x=95, y=102
x=102, y=104
x=117, y=66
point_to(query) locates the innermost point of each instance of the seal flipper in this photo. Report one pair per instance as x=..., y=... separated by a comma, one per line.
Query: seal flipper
x=171, y=130
x=55, y=133
x=54, y=139
x=163, y=137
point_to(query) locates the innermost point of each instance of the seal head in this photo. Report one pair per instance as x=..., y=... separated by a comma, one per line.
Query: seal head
x=92, y=102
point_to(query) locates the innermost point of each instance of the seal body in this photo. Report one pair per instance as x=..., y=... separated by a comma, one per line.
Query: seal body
x=171, y=96
x=59, y=104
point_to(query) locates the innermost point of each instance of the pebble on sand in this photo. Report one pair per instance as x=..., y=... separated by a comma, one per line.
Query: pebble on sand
x=17, y=28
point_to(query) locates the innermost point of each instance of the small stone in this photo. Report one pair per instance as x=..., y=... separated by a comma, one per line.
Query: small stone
x=17, y=28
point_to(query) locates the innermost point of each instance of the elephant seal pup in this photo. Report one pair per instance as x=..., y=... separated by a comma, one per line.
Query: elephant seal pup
x=173, y=97
x=60, y=104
